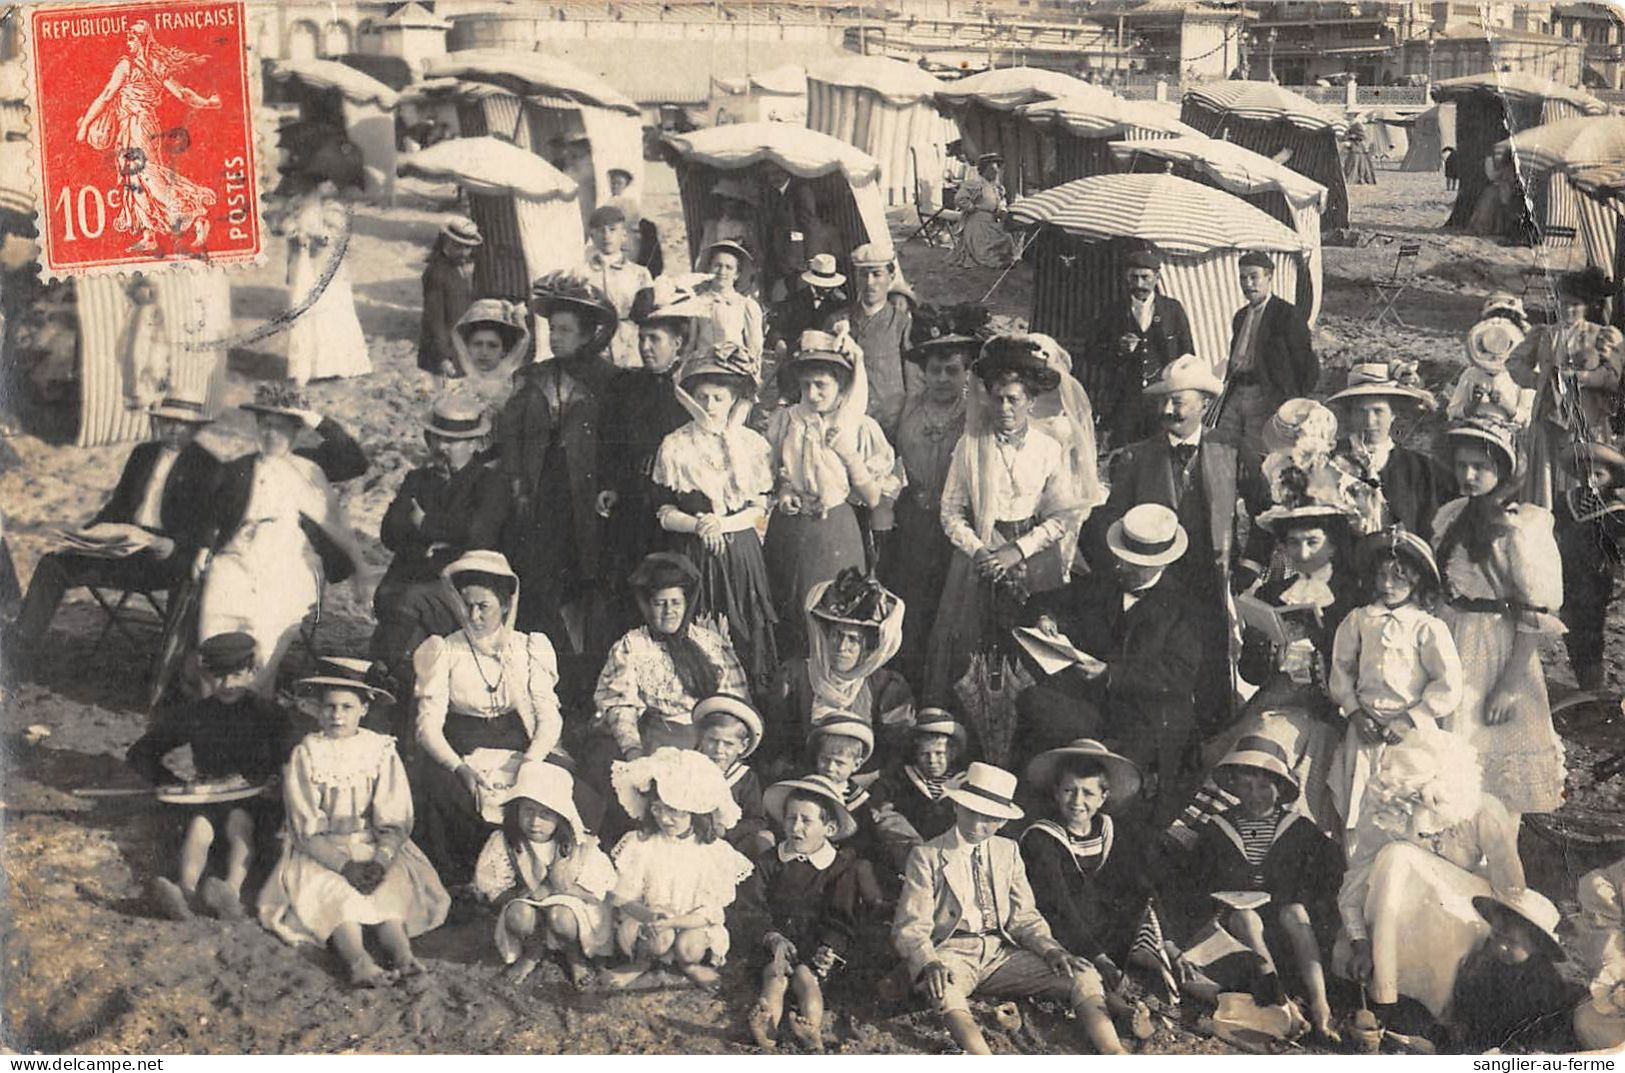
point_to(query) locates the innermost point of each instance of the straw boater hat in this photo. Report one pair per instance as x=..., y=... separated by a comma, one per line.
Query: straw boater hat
x=457, y=415
x=1380, y=380
x=1490, y=343
x=284, y=400
x=1529, y=908
x=1402, y=544
x=821, y=272
x=729, y=705
x=565, y=289
x=1264, y=754
x=1147, y=535
x=941, y=722
x=683, y=779
x=343, y=673
x=177, y=409
x=775, y=797
x=461, y=230
x=988, y=791
x=1185, y=373
x=547, y=784
x=1121, y=772
x=874, y=255
x=1497, y=436
x=837, y=724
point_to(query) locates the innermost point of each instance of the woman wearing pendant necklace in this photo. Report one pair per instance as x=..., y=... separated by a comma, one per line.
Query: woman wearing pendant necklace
x=486, y=690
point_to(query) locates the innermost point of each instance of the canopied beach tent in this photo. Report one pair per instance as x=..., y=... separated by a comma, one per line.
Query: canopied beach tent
x=1431, y=131
x=1545, y=154
x=982, y=105
x=525, y=209
x=888, y=109
x=1266, y=118
x=1085, y=228
x=1076, y=132
x=1275, y=189
x=778, y=95
x=363, y=107
x=845, y=180
x=1604, y=184
x=1387, y=133
x=553, y=104
x=1491, y=107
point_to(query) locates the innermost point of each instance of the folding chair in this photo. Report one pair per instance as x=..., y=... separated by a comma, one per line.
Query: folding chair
x=935, y=217
x=1388, y=289
x=121, y=616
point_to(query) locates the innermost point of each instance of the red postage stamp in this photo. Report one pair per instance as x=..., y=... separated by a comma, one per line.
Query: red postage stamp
x=144, y=135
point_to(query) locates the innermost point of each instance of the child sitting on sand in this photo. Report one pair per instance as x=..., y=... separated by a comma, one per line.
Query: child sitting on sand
x=729, y=731
x=918, y=790
x=840, y=744
x=676, y=874
x=809, y=887
x=348, y=861
x=232, y=732
x=546, y=872
x=1511, y=990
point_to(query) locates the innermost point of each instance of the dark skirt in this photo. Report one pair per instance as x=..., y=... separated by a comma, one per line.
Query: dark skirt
x=734, y=590
x=915, y=567
x=801, y=551
x=450, y=830
x=542, y=548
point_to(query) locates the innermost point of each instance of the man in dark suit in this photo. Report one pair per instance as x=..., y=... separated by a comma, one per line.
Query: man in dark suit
x=1271, y=359
x=448, y=291
x=1409, y=480
x=165, y=489
x=789, y=221
x=1212, y=489
x=1138, y=621
x=1133, y=340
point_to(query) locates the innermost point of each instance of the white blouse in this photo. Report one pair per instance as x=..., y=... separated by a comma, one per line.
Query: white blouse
x=639, y=676
x=451, y=676
x=1028, y=481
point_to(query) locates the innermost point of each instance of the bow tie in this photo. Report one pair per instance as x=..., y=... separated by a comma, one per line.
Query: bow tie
x=1182, y=453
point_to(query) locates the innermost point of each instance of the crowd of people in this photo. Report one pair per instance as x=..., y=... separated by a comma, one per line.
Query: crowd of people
x=766, y=591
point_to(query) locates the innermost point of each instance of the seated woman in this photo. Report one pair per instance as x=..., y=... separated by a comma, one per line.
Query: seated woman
x=275, y=531
x=854, y=628
x=657, y=673
x=982, y=241
x=484, y=691
x=489, y=343
x=1430, y=841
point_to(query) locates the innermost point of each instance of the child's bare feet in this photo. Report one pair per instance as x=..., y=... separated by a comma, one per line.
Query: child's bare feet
x=703, y=975
x=624, y=977
x=221, y=900
x=410, y=967
x=763, y=1029
x=1320, y=1026
x=579, y=972
x=809, y=1035
x=172, y=901
x=1140, y=1025
x=520, y=971
x=366, y=973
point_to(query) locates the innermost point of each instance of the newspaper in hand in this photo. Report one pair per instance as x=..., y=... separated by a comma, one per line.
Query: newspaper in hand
x=1054, y=653
x=107, y=540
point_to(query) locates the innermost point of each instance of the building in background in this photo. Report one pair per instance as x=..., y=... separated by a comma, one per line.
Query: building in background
x=1602, y=28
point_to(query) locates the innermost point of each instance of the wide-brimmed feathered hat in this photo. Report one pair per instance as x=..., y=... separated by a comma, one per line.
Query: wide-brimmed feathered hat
x=1396, y=381
x=947, y=329
x=682, y=778
x=571, y=290
x=1020, y=354
x=725, y=359
x=855, y=599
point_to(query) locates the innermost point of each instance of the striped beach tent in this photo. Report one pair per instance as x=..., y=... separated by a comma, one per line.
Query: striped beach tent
x=845, y=180
x=1075, y=132
x=1266, y=118
x=982, y=105
x=552, y=102
x=1276, y=189
x=1491, y=107
x=333, y=92
x=778, y=95
x=888, y=109
x=1604, y=185
x=525, y=209
x=1545, y=154
x=1086, y=228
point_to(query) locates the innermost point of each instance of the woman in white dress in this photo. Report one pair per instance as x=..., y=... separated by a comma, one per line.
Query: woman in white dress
x=486, y=693
x=325, y=339
x=276, y=529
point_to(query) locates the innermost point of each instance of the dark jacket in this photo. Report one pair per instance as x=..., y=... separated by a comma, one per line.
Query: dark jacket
x=447, y=294
x=929, y=817
x=789, y=220
x=650, y=255
x=640, y=409
x=1258, y=657
x=1114, y=379
x=808, y=906
x=183, y=507
x=746, y=787
x=1496, y=1004
x=462, y=512
x=1090, y=912
x=1411, y=486
x=1285, y=363
x=1303, y=867
x=251, y=738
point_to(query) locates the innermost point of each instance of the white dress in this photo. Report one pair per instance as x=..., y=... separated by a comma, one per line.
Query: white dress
x=325, y=340
x=351, y=794
x=679, y=876
x=538, y=877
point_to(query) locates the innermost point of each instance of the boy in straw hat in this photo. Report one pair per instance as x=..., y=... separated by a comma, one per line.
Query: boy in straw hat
x=1408, y=479
x=1511, y=990
x=810, y=889
x=233, y=735
x=966, y=922
x=918, y=788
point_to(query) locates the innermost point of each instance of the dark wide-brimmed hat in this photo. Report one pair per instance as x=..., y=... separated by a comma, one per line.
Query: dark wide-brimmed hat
x=1260, y=753
x=563, y=290
x=337, y=672
x=855, y=599
x=946, y=330
x=1020, y=354
x=1585, y=285
x=1122, y=774
x=725, y=359
x=1528, y=908
x=665, y=570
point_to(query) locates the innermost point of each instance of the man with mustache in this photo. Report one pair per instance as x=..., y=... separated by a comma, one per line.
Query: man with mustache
x=1271, y=358
x=1136, y=337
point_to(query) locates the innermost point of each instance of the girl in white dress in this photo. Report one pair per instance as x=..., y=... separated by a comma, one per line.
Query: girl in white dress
x=325, y=339
x=677, y=875
x=348, y=861
x=736, y=317
x=545, y=871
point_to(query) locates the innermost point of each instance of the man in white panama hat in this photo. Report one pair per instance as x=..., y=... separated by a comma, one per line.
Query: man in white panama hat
x=966, y=922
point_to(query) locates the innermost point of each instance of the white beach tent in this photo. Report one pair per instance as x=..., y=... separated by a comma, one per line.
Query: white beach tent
x=1295, y=200
x=1076, y=131
x=1545, y=154
x=1431, y=131
x=329, y=91
x=1084, y=232
x=888, y=109
x=982, y=106
x=778, y=95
